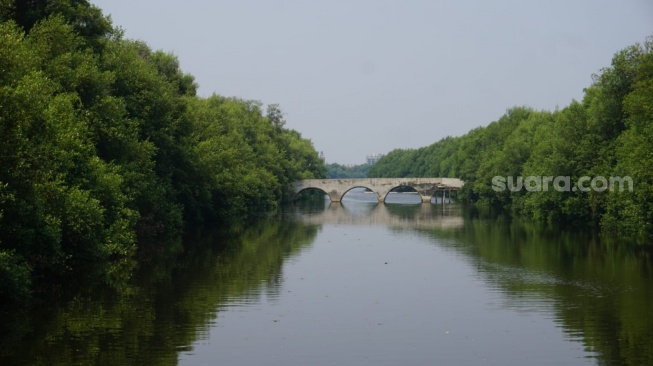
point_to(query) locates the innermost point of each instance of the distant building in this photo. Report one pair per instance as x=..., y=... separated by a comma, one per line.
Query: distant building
x=373, y=158
x=321, y=156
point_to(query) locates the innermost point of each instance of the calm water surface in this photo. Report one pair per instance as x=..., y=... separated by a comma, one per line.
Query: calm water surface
x=361, y=283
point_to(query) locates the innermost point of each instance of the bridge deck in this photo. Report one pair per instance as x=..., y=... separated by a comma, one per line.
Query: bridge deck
x=336, y=188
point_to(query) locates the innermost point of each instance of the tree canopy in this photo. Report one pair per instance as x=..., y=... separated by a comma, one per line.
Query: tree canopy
x=607, y=134
x=105, y=146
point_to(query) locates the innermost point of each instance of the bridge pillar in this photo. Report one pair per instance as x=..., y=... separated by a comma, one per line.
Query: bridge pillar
x=426, y=187
x=381, y=194
x=334, y=196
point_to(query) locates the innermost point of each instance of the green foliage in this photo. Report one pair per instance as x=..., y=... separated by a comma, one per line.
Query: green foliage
x=566, y=265
x=14, y=278
x=608, y=134
x=159, y=312
x=87, y=20
x=396, y=163
x=335, y=170
x=631, y=213
x=105, y=145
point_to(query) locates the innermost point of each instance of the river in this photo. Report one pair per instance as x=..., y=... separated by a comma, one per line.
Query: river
x=361, y=283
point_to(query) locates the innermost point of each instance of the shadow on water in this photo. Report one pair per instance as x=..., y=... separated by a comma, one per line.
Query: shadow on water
x=599, y=291
x=165, y=308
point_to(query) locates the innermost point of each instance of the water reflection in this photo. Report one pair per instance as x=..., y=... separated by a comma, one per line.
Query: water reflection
x=166, y=308
x=600, y=290
x=388, y=215
x=359, y=207
x=361, y=283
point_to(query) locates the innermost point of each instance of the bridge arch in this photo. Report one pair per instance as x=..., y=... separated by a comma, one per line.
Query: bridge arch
x=354, y=187
x=305, y=189
x=401, y=189
x=336, y=188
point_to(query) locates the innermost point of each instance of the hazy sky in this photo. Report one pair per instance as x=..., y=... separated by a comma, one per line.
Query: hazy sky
x=361, y=77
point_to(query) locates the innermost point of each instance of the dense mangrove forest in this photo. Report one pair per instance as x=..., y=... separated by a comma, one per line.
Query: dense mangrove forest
x=142, y=223
x=608, y=134
x=107, y=153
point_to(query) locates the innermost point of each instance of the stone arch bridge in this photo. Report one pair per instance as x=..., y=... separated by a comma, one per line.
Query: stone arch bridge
x=336, y=188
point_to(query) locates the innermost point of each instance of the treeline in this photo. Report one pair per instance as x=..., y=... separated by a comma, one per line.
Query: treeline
x=335, y=170
x=104, y=144
x=607, y=134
